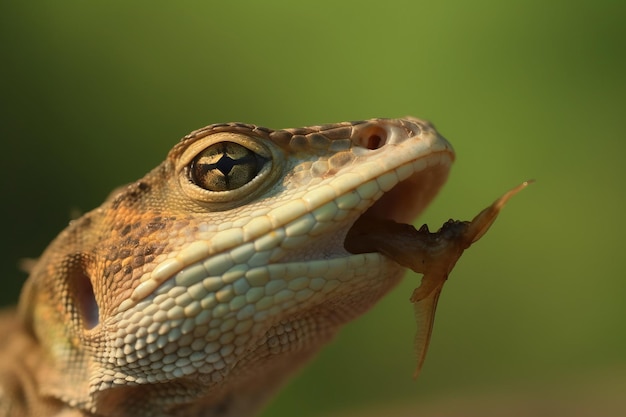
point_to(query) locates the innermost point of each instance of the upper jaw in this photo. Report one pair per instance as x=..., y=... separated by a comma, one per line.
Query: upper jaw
x=394, y=180
x=423, y=160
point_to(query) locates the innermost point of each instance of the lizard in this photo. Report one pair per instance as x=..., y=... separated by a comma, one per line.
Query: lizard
x=198, y=289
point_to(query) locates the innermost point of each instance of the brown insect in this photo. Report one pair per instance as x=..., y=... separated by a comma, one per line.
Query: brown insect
x=431, y=254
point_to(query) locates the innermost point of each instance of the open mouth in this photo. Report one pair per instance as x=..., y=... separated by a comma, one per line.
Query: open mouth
x=402, y=204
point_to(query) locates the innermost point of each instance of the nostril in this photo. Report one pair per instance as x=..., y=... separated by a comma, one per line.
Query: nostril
x=374, y=137
x=374, y=142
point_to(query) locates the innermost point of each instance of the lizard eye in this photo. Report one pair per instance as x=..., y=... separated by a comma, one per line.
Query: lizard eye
x=225, y=166
x=227, y=169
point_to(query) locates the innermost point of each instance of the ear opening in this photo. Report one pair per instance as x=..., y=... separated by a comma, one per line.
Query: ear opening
x=81, y=289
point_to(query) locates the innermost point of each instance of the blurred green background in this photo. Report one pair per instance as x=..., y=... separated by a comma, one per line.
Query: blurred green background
x=533, y=318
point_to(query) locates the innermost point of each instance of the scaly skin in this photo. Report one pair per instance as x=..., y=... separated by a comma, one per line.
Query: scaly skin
x=174, y=300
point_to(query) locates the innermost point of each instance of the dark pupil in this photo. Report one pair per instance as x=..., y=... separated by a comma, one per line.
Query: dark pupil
x=225, y=166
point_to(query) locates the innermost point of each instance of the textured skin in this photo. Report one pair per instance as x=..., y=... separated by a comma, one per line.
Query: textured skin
x=172, y=300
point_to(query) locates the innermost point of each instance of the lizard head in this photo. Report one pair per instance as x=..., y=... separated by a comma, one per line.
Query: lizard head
x=203, y=284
